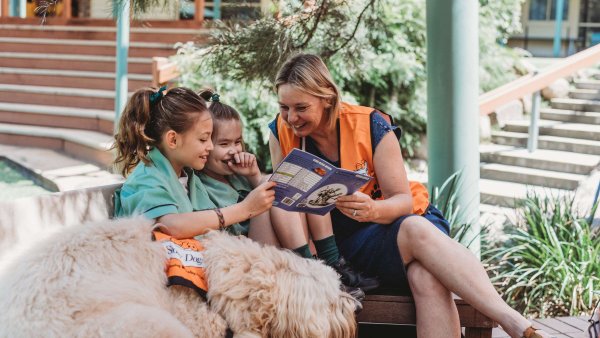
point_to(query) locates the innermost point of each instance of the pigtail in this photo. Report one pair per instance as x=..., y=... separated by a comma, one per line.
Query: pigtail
x=132, y=141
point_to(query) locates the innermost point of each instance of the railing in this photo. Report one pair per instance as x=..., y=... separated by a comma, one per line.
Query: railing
x=533, y=83
x=163, y=71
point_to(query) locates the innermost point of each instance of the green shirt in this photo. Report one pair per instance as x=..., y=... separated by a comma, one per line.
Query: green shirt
x=223, y=195
x=154, y=190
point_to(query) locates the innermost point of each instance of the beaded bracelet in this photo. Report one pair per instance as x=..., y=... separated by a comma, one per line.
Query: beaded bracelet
x=221, y=218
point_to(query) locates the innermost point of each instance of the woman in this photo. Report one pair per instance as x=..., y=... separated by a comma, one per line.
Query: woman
x=380, y=229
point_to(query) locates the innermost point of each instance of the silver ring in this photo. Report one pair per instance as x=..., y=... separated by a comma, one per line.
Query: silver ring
x=354, y=213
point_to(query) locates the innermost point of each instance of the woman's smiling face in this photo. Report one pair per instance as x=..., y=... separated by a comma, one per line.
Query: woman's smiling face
x=303, y=112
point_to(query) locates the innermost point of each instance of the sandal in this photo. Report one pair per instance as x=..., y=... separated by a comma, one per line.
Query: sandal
x=530, y=332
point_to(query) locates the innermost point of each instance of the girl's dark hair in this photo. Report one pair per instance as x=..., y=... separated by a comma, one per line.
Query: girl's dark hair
x=220, y=111
x=143, y=122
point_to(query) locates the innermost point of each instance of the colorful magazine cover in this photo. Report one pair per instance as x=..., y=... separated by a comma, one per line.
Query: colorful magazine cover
x=307, y=183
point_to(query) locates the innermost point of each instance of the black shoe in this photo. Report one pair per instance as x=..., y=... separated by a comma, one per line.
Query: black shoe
x=351, y=278
x=357, y=294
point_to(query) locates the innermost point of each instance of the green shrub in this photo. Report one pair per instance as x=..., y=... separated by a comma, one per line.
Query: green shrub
x=550, y=264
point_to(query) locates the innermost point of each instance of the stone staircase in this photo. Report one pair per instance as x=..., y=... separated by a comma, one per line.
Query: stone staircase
x=57, y=81
x=568, y=150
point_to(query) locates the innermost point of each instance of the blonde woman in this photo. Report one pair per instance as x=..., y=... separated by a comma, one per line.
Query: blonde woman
x=385, y=230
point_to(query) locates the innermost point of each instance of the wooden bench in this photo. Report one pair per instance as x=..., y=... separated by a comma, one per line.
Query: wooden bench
x=26, y=218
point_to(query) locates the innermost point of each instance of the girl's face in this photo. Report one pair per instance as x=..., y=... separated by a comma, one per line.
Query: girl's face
x=192, y=147
x=227, y=141
x=303, y=112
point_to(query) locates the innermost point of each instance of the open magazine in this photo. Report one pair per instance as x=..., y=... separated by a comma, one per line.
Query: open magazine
x=307, y=183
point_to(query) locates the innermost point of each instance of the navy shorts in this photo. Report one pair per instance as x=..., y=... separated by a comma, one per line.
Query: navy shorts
x=372, y=248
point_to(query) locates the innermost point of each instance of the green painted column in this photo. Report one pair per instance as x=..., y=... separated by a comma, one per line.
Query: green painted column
x=452, y=101
x=121, y=62
x=560, y=6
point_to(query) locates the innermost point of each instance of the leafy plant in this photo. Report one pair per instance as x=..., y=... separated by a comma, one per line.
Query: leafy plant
x=551, y=262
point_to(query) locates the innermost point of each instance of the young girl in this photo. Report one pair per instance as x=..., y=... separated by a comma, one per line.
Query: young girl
x=164, y=136
x=230, y=172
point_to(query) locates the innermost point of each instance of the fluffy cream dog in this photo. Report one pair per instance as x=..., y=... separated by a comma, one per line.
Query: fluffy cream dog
x=107, y=279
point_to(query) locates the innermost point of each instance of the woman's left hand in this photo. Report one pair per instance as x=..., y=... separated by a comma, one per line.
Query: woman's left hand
x=358, y=206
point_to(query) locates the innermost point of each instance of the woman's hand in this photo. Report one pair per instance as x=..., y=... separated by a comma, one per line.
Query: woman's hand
x=260, y=199
x=358, y=206
x=245, y=164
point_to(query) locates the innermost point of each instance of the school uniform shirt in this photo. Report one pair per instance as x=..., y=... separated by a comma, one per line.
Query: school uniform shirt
x=154, y=190
x=223, y=195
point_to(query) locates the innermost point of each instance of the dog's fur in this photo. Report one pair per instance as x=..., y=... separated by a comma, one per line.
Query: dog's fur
x=107, y=279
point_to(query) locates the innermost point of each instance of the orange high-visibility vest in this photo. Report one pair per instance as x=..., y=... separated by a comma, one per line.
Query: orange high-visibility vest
x=356, y=151
x=185, y=265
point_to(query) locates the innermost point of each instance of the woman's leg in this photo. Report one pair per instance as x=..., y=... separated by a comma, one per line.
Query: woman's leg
x=458, y=270
x=261, y=230
x=437, y=315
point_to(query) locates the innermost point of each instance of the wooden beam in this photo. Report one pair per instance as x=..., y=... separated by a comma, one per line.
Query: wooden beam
x=4, y=8
x=199, y=10
x=530, y=83
x=163, y=71
x=67, y=9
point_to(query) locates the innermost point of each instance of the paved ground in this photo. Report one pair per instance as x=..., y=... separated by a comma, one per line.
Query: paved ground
x=59, y=171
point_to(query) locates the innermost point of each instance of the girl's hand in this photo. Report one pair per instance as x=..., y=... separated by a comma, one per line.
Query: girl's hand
x=260, y=199
x=244, y=164
x=358, y=206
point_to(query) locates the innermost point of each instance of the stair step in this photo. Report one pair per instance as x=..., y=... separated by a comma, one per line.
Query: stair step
x=72, y=62
x=545, y=178
x=587, y=84
x=574, y=116
x=53, y=116
x=59, y=96
x=85, y=47
x=87, y=145
x=552, y=160
x=585, y=94
x=576, y=104
x=557, y=128
x=507, y=194
x=137, y=34
x=69, y=78
x=548, y=142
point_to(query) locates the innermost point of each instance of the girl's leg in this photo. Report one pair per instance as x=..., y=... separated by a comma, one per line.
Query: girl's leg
x=437, y=315
x=290, y=227
x=458, y=270
x=261, y=230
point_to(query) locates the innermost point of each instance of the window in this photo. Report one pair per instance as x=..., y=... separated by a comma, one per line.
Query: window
x=545, y=10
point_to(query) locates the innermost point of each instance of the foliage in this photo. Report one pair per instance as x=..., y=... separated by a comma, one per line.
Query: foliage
x=375, y=49
x=550, y=264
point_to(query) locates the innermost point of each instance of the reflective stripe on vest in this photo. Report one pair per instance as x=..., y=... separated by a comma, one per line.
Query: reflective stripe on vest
x=185, y=264
x=356, y=151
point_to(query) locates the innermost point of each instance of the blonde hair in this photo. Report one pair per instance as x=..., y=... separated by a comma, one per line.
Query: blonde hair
x=308, y=73
x=146, y=118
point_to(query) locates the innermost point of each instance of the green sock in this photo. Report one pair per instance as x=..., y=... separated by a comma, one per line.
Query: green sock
x=327, y=250
x=303, y=251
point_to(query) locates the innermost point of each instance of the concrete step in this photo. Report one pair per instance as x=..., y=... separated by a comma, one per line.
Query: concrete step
x=84, y=47
x=544, y=178
x=576, y=104
x=137, y=34
x=72, y=62
x=558, y=128
x=552, y=160
x=570, y=116
x=587, y=84
x=69, y=78
x=548, y=142
x=84, y=144
x=53, y=116
x=507, y=194
x=58, y=96
x=584, y=94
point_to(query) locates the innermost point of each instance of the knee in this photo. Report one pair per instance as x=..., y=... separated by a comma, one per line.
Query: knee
x=417, y=231
x=423, y=283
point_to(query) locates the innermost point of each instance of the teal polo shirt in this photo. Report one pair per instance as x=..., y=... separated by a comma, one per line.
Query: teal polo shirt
x=154, y=190
x=223, y=195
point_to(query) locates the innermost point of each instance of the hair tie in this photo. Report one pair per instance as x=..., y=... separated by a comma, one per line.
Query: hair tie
x=158, y=94
x=215, y=97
